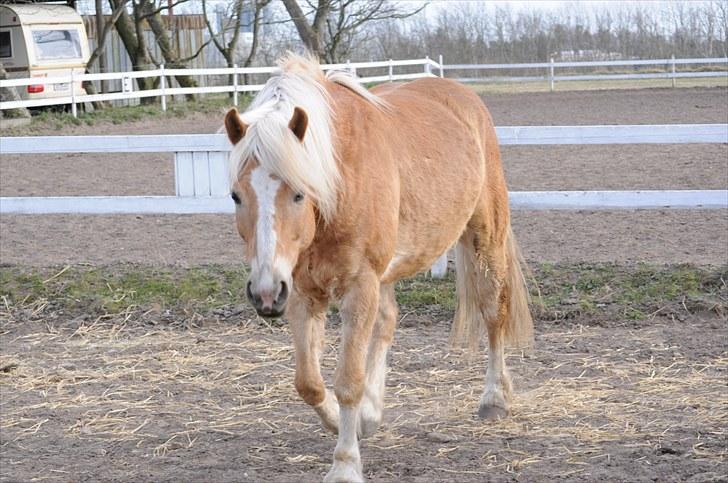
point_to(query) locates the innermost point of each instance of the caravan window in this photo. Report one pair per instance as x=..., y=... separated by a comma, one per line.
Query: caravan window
x=56, y=44
x=6, y=50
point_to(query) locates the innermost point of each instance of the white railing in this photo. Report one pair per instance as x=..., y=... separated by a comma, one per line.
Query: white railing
x=129, y=90
x=669, y=64
x=202, y=186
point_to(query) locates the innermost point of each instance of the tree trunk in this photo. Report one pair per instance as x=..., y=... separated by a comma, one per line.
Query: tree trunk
x=9, y=94
x=311, y=33
x=171, y=56
x=136, y=49
x=100, y=28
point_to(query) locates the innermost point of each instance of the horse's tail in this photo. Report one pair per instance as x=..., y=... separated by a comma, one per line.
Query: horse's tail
x=481, y=296
x=519, y=325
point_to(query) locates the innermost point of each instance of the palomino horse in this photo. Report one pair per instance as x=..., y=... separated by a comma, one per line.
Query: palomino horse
x=339, y=193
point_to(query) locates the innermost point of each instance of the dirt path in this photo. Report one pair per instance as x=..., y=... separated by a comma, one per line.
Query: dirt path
x=650, y=236
x=143, y=399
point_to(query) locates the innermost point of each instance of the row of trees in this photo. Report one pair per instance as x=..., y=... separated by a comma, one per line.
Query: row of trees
x=463, y=32
x=476, y=32
x=470, y=33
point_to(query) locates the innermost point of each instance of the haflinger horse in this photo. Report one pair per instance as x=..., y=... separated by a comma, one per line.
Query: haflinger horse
x=340, y=192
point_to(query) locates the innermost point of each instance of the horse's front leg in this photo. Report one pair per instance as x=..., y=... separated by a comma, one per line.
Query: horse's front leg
x=372, y=403
x=358, y=312
x=307, y=318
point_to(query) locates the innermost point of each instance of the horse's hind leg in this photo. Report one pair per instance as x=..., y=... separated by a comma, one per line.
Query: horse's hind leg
x=372, y=403
x=494, y=403
x=483, y=300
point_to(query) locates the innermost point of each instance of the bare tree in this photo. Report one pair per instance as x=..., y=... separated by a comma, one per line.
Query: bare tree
x=345, y=22
x=337, y=25
x=151, y=12
x=227, y=40
x=102, y=33
x=131, y=31
x=311, y=33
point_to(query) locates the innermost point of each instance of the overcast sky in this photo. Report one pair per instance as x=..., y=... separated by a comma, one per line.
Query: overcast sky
x=434, y=6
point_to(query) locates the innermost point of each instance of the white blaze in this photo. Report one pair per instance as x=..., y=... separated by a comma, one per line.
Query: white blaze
x=265, y=188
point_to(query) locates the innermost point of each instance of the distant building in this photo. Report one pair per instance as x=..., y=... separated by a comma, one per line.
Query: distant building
x=226, y=24
x=589, y=54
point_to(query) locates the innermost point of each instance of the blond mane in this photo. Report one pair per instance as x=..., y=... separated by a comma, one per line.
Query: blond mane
x=310, y=166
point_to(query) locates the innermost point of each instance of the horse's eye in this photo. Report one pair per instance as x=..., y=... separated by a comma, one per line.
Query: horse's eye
x=235, y=198
x=298, y=197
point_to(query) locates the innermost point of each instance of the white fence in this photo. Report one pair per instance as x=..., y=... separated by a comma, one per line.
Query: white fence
x=163, y=91
x=202, y=186
x=670, y=66
x=426, y=67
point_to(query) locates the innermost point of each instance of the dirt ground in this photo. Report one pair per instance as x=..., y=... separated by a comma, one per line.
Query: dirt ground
x=145, y=397
x=152, y=395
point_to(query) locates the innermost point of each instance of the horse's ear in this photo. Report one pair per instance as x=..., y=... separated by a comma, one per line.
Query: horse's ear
x=298, y=122
x=234, y=126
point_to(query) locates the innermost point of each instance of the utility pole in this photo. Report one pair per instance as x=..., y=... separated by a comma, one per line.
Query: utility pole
x=99, y=29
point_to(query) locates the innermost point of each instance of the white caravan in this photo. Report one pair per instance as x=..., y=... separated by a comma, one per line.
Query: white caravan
x=43, y=41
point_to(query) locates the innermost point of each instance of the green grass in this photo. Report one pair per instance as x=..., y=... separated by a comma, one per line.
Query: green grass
x=127, y=114
x=559, y=291
x=110, y=290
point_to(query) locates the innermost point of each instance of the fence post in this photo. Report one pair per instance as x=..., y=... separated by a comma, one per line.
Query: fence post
x=442, y=69
x=235, y=84
x=551, y=75
x=73, y=96
x=391, y=68
x=428, y=67
x=162, y=85
x=672, y=63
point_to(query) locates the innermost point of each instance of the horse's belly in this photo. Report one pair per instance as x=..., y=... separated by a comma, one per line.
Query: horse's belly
x=419, y=245
x=403, y=266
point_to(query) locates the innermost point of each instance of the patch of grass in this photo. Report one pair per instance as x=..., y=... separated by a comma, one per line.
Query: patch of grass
x=560, y=291
x=634, y=291
x=423, y=291
x=126, y=114
x=109, y=290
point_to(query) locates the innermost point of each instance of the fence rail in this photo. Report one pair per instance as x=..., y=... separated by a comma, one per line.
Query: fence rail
x=129, y=92
x=507, y=135
x=202, y=186
x=427, y=65
x=669, y=64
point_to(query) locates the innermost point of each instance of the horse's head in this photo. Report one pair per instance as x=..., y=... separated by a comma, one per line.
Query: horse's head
x=275, y=220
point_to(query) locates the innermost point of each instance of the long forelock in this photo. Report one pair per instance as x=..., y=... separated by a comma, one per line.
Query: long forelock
x=308, y=167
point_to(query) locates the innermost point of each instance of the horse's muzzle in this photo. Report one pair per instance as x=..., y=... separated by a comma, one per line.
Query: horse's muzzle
x=269, y=303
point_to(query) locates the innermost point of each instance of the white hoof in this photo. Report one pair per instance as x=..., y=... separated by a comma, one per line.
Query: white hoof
x=344, y=473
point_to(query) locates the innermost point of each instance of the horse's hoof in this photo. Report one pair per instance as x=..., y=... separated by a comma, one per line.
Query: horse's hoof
x=343, y=474
x=492, y=413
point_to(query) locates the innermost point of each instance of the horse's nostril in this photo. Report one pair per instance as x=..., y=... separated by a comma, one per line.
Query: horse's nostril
x=249, y=293
x=283, y=294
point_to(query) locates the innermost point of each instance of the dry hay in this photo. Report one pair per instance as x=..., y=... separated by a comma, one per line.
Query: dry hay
x=127, y=384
